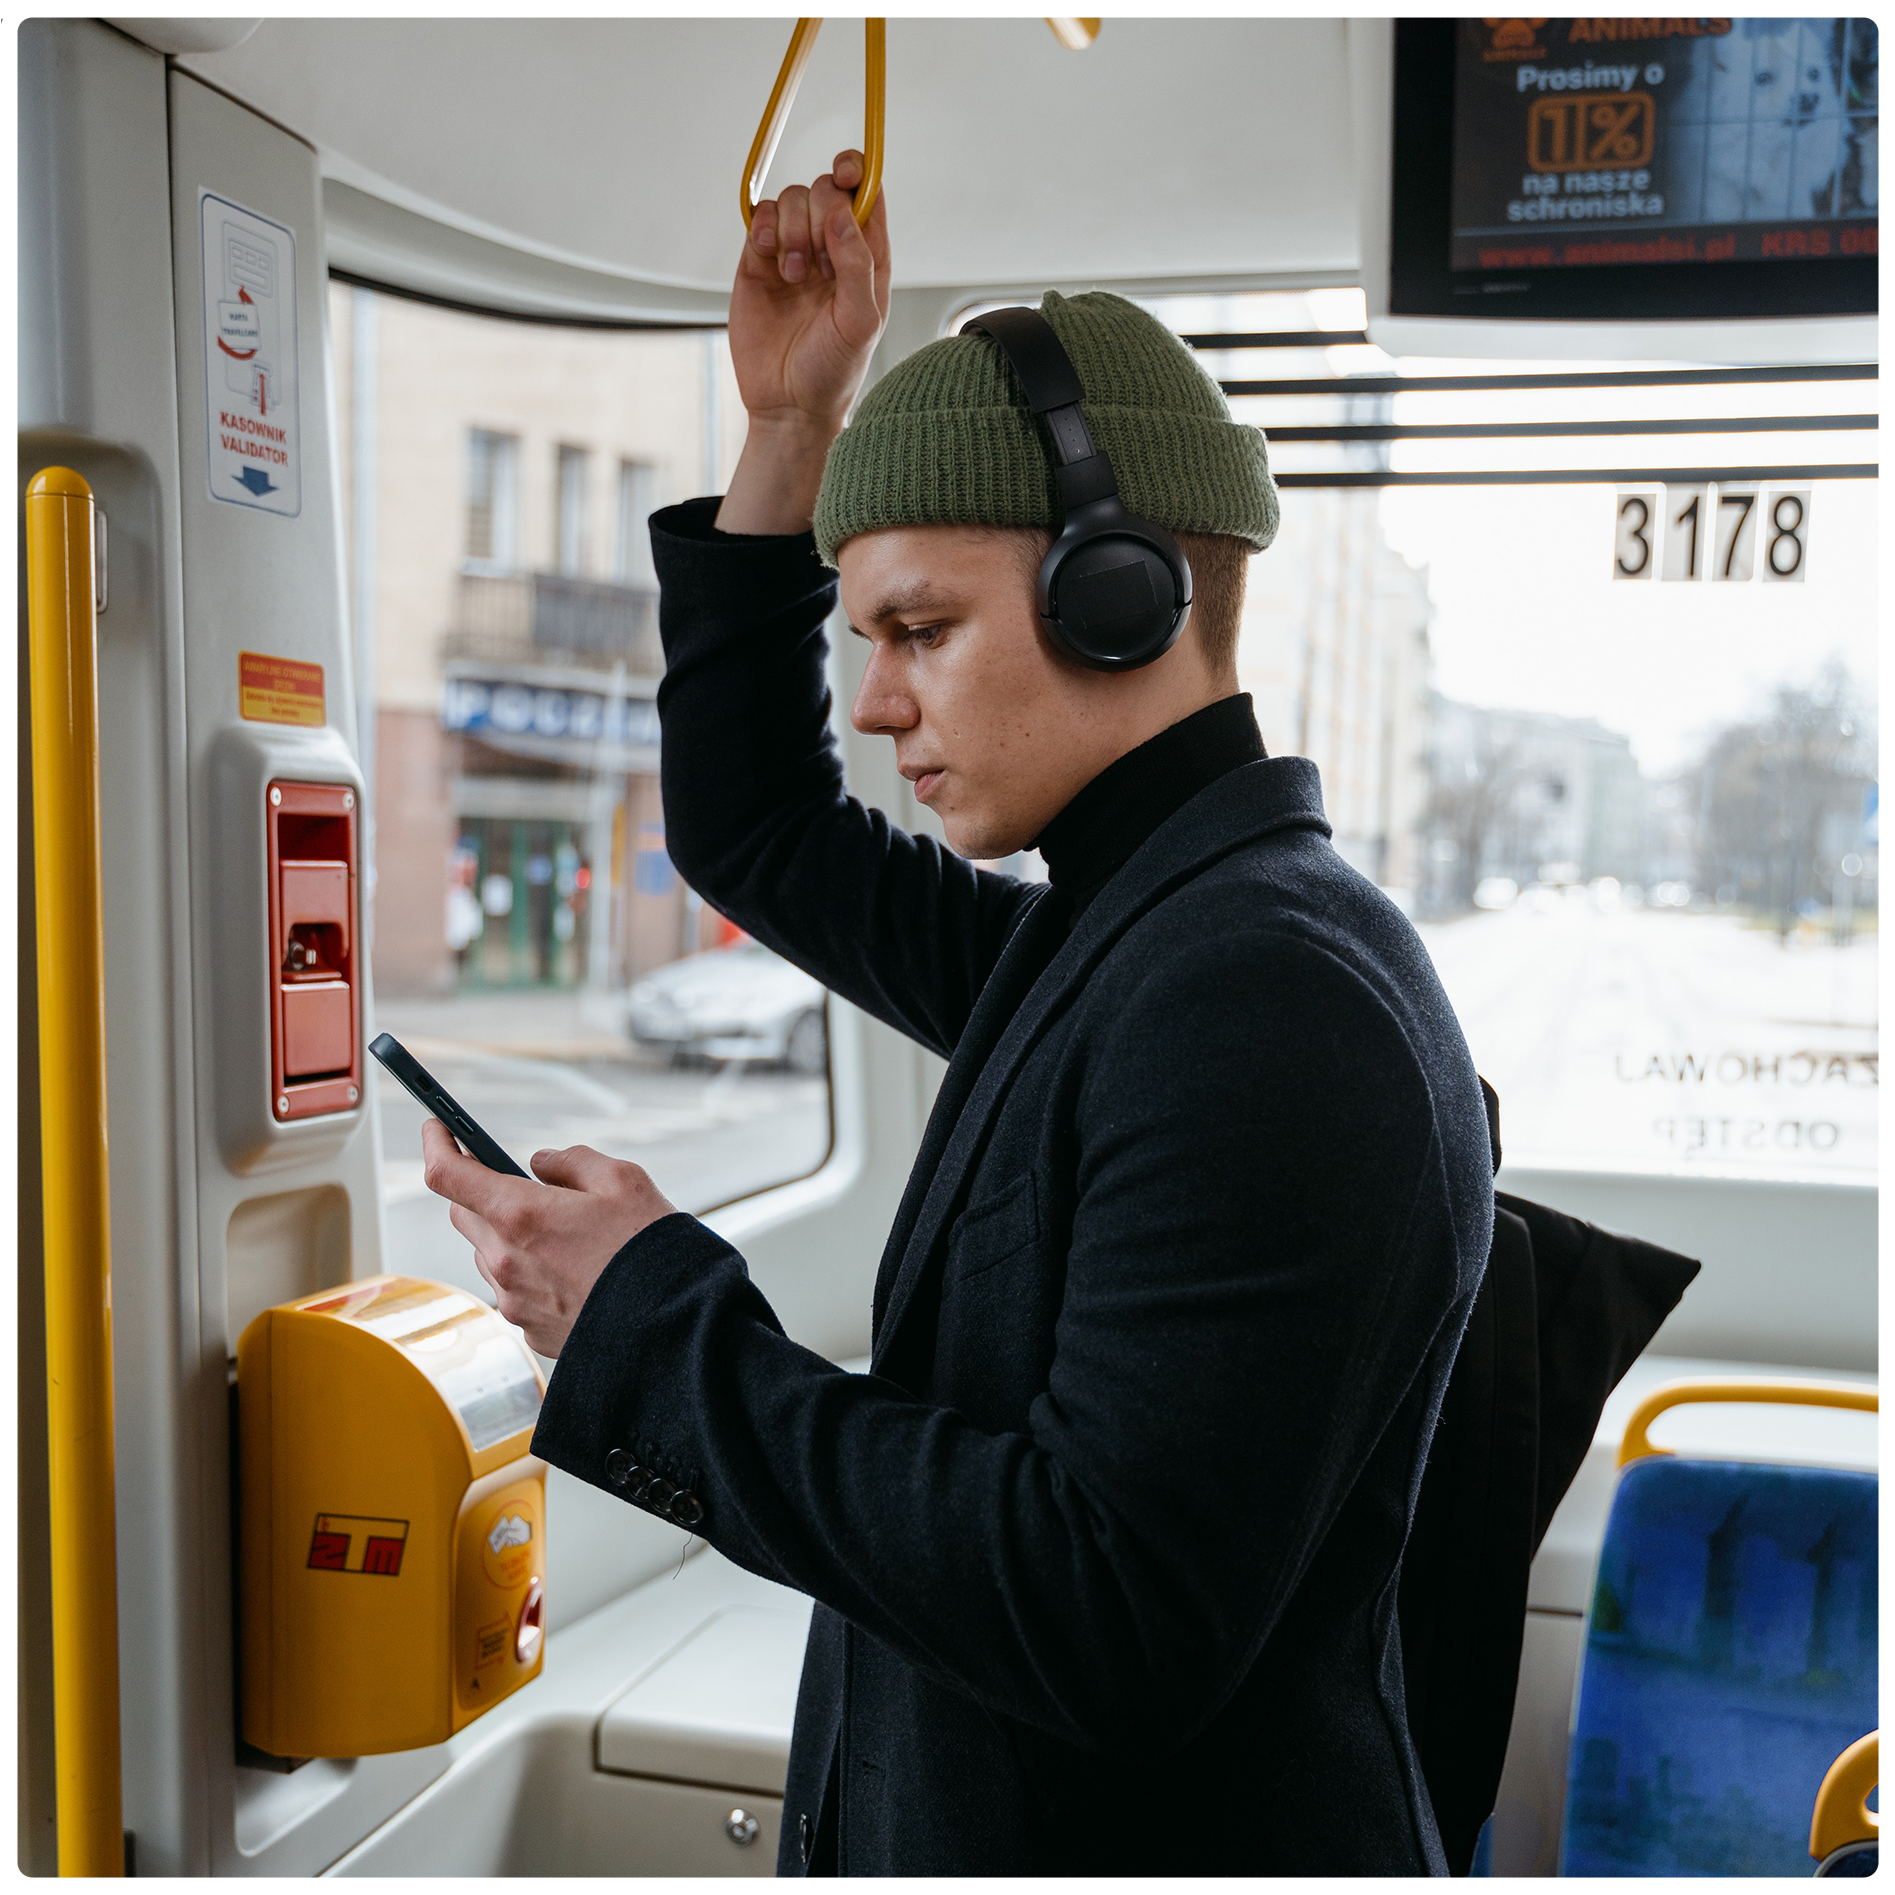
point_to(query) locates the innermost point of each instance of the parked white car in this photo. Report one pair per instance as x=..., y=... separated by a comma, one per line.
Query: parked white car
x=736, y=1002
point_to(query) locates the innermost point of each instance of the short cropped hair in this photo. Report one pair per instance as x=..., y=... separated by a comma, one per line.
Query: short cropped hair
x=1220, y=566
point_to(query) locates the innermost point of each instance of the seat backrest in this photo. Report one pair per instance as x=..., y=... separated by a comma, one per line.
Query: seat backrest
x=1730, y=1657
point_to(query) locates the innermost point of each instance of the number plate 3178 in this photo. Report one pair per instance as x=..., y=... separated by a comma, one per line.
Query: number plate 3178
x=1724, y=533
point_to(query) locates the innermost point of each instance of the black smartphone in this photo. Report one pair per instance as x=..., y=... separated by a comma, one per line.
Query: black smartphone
x=425, y=1087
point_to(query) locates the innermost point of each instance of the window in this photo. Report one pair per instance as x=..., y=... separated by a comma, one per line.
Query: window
x=490, y=498
x=531, y=939
x=1648, y=862
x=637, y=501
x=569, y=514
x=1636, y=823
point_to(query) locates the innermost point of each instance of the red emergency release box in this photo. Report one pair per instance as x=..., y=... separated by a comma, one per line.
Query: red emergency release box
x=315, y=1012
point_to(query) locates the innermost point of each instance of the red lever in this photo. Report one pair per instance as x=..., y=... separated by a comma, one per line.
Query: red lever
x=530, y=1630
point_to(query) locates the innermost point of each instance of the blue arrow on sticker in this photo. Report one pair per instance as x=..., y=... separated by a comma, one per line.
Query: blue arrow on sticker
x=257, y=481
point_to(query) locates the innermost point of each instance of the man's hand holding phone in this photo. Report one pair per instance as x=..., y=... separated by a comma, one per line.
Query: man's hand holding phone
x=543, y=1245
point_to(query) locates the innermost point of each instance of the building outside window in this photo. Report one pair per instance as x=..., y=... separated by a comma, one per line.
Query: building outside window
x=572, y=542
x=491, y=535
x=637, y=499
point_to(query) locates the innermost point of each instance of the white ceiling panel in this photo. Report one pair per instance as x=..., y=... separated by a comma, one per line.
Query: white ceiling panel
x=1169, y=148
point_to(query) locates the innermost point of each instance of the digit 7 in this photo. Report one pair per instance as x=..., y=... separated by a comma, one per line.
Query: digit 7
x=1739, y=546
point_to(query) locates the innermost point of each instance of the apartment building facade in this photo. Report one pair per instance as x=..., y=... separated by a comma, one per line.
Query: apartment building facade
x=497, y=482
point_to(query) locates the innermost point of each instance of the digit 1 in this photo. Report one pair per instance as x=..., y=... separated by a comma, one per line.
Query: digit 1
x=1683, y=536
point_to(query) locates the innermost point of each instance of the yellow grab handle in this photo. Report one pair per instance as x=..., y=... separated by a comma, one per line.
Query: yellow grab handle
x=76, y=1219
x=776, y=115
x=1842, y=1814
x=1637, y=1443
x=1074, y=35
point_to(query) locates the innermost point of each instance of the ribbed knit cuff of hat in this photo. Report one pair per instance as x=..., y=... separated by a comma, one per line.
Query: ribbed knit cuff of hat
x=946, y=437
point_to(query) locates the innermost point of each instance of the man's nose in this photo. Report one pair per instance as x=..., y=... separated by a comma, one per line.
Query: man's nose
x=882, y=706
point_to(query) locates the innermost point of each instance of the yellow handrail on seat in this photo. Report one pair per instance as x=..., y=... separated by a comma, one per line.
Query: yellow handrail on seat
x=776, y=115
x=1638, y=1444
x=1842, y=1813
x=62, y=627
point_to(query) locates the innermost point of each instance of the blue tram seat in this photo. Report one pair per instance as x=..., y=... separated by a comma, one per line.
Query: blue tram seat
x=1730, y=1657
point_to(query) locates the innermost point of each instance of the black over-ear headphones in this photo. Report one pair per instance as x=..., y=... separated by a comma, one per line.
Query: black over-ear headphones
x=1114, y=589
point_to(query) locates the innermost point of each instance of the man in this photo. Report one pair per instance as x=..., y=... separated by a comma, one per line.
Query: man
x=1105, y=1552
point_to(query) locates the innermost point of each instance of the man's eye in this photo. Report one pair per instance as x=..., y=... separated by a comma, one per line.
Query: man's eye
x=924, y=634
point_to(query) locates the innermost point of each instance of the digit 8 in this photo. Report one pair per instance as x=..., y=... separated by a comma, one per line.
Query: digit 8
x=1791, y=532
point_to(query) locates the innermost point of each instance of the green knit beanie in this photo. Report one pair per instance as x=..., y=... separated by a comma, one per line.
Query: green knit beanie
x=946, y=436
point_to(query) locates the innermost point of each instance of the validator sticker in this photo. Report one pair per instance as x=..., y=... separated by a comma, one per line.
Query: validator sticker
x=279, y=690
x=250, y=392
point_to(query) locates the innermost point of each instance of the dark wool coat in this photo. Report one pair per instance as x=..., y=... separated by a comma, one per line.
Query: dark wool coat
x=1106, y=1549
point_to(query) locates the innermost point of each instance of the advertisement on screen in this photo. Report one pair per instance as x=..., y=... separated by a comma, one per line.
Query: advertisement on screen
x=1588, y=142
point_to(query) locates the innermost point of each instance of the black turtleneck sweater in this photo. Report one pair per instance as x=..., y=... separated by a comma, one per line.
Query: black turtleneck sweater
x=1101, y=829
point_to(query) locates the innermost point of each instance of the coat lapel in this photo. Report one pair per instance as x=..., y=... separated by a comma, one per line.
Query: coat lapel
x=1250, y=802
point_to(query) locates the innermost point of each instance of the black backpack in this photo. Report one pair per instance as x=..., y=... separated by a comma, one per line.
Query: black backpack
x=1562, y=1313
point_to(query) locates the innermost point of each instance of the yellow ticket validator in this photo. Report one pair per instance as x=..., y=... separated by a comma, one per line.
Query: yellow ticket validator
x=392, y=1526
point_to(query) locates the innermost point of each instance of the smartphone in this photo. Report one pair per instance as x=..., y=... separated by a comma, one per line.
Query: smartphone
x=425, y=1087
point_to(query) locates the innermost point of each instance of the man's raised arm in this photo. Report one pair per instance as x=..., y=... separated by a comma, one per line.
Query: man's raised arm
x=756, y=815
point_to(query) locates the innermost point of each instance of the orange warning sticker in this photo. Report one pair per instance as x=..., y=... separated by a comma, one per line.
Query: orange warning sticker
x=353, y=1543
x=490, y=1643
x=279, y=690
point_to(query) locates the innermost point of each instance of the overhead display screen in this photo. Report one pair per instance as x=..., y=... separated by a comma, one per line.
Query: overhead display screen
x=1608, y=142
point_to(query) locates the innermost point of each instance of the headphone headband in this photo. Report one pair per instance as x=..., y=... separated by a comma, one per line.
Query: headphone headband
x=1115, y=589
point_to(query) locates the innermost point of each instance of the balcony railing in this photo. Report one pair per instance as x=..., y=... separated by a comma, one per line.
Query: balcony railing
x=554, y=619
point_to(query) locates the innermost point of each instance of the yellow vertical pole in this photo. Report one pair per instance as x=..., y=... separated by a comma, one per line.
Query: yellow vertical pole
x=63, y=627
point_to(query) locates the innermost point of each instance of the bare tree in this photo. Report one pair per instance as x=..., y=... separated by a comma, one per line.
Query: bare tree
x=1467, y=807
x=1764, y=788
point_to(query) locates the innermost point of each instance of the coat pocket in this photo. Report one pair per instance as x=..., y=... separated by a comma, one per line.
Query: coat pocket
x=994, y=1228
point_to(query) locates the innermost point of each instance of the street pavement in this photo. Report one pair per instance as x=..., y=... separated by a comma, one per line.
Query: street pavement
x=1643, y=1038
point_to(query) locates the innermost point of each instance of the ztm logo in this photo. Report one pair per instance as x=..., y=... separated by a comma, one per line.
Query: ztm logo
x=352, y=1543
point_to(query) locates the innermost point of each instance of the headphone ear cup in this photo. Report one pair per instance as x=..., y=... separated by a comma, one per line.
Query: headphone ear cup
x=1114, y=600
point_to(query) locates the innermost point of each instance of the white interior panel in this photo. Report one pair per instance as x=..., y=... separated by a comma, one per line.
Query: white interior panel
x=719, y=1708
x=1222, y=145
